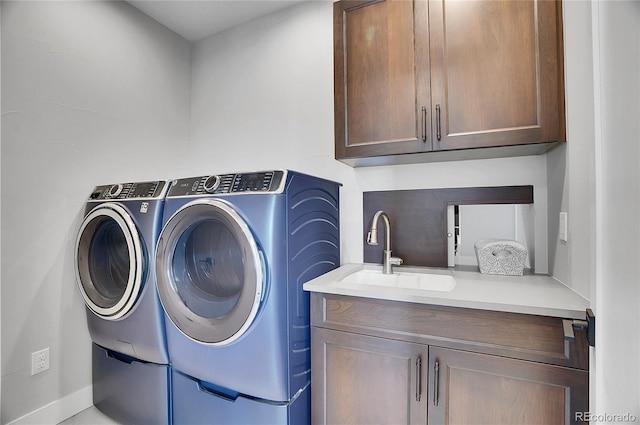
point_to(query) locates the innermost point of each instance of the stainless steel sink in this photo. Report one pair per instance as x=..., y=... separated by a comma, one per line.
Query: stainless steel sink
x=421, y=280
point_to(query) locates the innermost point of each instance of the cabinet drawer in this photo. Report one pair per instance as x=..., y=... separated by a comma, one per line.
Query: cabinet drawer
x=520, y=336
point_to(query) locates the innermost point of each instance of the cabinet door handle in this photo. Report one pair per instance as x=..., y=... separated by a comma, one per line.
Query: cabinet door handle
x=438, y=132
x=424, y=123
x=436, y=379
x=418, y=379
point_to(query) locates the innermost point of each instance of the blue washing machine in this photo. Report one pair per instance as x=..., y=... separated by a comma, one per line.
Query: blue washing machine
x=114, y=257
x=231, y=260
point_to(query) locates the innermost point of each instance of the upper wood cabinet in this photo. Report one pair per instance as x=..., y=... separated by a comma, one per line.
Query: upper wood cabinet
x=437, y=79
x=381, y=77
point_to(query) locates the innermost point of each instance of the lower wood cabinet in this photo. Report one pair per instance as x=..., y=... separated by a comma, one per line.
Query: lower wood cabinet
x=359, y=380
x=363, y=374
x=472, y=388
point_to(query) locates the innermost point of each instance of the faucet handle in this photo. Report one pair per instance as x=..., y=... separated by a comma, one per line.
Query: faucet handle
x=388, y=262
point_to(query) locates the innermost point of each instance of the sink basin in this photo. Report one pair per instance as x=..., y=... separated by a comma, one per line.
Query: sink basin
x=406, y=280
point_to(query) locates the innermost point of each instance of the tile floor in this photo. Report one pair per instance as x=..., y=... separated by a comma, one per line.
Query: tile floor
x=90, y=416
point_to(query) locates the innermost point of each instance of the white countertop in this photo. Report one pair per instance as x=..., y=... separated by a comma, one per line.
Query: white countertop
x=530, y=294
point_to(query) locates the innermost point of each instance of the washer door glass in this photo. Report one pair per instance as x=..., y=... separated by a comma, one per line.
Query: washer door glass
x=109, y=261
x=209, y=271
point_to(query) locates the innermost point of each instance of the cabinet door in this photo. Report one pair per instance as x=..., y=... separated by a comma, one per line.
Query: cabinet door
x=496, y=74
x=360, y=380
x=470, y=388
x=381, y=77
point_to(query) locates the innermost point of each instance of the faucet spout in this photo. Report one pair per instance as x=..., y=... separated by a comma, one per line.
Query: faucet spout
x=388, y=261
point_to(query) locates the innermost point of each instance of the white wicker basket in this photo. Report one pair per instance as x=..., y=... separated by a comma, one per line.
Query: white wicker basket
x=500, y=257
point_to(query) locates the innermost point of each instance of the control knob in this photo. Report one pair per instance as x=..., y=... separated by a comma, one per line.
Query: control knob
x=211, y=184
x=114, y=190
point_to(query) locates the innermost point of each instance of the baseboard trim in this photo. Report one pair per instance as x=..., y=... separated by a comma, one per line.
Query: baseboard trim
x=59, y=410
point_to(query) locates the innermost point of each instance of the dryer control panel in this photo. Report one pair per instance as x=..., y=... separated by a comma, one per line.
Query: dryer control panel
x=153, y=189
x=258, y=182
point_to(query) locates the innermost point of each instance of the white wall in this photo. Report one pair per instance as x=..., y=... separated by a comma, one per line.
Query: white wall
x=0, y=211
x=510, y=222
x=616, y=28
x=263, y=98
x=571, y=168
x=93, y=93
x=596, y=179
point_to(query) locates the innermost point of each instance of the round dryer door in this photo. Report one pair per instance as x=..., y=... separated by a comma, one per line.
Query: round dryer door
x=109, y=261
x=209, y=272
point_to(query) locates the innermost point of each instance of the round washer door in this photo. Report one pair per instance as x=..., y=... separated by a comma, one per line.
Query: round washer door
x=209, y=272
x=109, y=261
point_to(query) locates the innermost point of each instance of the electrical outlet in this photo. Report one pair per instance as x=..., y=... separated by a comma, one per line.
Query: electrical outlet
x=562, y=227
x=39, y=361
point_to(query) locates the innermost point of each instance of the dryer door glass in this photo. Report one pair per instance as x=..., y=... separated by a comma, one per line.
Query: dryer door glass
x=109, y=261
x=208, y=262
x=210, y=276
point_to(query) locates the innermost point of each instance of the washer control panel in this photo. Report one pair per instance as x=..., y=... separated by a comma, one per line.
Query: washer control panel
x=140, y=190
x=259, y=182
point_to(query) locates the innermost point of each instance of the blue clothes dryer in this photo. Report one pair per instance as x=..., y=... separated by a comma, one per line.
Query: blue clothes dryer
x=231, y=260
x=114, y=257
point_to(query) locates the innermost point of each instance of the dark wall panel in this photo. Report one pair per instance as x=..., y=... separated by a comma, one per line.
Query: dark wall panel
x=419, y=219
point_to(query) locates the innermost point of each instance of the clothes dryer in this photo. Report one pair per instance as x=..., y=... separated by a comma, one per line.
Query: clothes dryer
x=114, y=255
x=231, y=260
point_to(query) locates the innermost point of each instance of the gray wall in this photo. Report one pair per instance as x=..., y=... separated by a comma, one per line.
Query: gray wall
x=93, y=93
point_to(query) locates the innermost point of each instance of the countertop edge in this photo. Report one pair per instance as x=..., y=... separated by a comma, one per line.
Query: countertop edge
x=473, y=291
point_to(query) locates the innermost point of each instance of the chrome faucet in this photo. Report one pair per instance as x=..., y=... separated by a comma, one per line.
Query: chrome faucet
x=372, y=239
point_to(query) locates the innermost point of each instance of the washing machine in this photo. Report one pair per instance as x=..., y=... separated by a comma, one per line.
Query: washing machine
x=233, y=254
x=114, y=257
